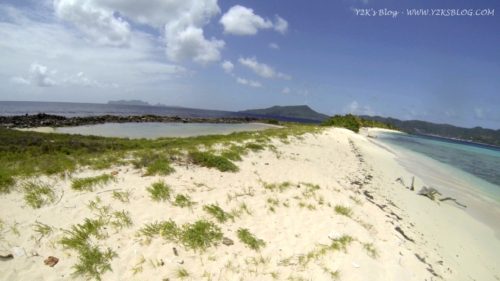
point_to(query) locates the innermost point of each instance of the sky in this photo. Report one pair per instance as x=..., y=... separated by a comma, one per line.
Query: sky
x=338, y=56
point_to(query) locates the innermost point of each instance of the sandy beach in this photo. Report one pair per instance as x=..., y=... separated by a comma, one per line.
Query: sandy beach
x=326, y=206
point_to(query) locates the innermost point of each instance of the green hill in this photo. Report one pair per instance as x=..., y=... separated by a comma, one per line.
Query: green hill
x=295, y=111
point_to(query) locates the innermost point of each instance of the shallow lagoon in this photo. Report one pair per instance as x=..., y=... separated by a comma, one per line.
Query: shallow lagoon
x=157, y=130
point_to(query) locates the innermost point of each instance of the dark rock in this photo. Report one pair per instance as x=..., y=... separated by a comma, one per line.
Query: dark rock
x=6, y=257
x=228, y=242
x=51, y=261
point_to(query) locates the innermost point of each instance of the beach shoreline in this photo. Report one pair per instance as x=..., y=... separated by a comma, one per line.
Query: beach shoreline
x=301, y=195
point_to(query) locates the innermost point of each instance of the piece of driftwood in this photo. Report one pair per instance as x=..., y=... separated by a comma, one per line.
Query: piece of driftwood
x=454, y=200
x=398, y=229
x=429, y=192
x=412, y=187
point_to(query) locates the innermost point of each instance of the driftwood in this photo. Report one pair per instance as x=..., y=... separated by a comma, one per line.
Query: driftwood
x=412, y=187
x=398, y=229
x=429, y=192
x=454, y=200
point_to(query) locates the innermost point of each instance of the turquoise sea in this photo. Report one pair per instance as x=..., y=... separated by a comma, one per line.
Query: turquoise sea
x=473, y=160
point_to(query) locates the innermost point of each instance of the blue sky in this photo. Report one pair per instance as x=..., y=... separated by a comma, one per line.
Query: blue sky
x=443, y=69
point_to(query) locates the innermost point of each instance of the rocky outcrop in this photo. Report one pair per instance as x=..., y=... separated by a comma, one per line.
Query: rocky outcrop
x=47, y=120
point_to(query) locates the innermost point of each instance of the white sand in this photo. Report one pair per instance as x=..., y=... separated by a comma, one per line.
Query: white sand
x=456, y=245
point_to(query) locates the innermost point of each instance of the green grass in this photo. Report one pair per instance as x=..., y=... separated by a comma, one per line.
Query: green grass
x=200, y=235
x=371, y=250
x=232, y=155
x=88, y=183
x=249, y=239
x=6, y=181
x=182, y=273
x=122, y=196
x=254, y=146
x=218, y=213
x=183, y=201
x=159, y=191
x=120, y=220
x=93, y=262
x=30, y=153
x=155, y=163
x=38, y=194
x=321, y=250
x=343, y=211
x=278, y=186
x=197, y=236
x=209, y=160
x=42, y=229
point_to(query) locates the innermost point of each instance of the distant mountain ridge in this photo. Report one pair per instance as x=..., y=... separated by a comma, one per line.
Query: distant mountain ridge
x=129, y=102
x=294, y=111
x=477, y=134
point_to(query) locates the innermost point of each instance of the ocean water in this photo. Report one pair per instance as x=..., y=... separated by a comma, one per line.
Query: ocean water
x=473, y=160
x=8, y=108
x=155, y=130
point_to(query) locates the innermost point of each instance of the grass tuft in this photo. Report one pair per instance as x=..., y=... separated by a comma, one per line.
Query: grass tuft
x=42, y=229
x=278, y=186
x=218, y=213
x=155, y=163
x=37, y=194
x=88, y=184
x=182, y=273
x=250, y=240
x=182, y=201
x=371, y=250
x=92, y=262
x=344, y=211
x=209, y=160
x=122, y=196
x=159, y=191
x=6, y=181
x=200, y=235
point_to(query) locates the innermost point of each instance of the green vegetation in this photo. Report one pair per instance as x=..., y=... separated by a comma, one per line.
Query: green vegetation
x=321, y=250
x=197, y=236
x=371, y=250
x=182, y=273
x=121, y=219
x=209, y=160
x=250, y=240
x=344, y=211
x=182, y=201
x=254, y=146
x=159, y=191
x=200, y=235
x=217, y=212
x=6, y=181
x=278, y=186
x=42, y=230
x=122, y=196
x=155, y=163
x=88, y=184
x=30, y=153
x=92, y=261
x=37, y=194
x=354, y=123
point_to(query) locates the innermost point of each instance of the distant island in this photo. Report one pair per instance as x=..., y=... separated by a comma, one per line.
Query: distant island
x=476, y=134
x=295, y=111
x=129, y=102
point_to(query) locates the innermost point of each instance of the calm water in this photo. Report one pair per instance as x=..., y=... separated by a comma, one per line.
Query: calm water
x=478, y=160
x=93, y=109
x=156, y=130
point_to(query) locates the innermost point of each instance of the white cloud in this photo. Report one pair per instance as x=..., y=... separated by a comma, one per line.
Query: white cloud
x=274, y=46
x=250, y=83
x=286, y=90
x=20, y=80
x=355, y=108
x=239, y=20
x=262, y=69
x=181, y=23
x=228, y=66
x=41, y=76
x=99, y=23
x=281, y=25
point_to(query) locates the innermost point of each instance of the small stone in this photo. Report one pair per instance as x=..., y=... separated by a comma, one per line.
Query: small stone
x=114, y=173
x=175, y=251
x=51, y=261
x=355, y=265
x=180, y=261
x=6, y=257
x=228, y=242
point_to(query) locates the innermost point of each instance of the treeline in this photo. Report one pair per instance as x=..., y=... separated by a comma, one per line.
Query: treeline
x=353, y=123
